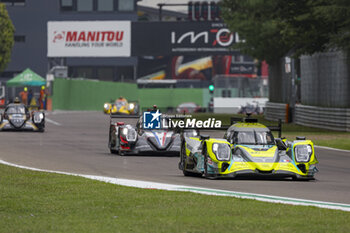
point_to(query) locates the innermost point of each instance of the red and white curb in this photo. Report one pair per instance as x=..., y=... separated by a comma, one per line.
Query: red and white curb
x=206, y=191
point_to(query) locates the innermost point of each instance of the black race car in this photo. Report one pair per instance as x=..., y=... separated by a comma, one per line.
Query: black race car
x=127, y=139
x=17, y=117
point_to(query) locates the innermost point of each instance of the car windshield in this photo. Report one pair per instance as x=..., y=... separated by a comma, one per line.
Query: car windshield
x=253, y=137
x=119, y=104
x=16, y=110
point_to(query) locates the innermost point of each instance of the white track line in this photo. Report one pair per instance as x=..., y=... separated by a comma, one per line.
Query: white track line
x=52, y=122
x=206, y=191
x=330, y=148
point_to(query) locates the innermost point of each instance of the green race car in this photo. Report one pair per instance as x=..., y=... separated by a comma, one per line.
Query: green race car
x=247, y=149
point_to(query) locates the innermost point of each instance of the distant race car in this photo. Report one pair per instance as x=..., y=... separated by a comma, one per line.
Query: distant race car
x=188, y=107
x=127, y=139
x=251, y=108
x=17, y=117
x=121, y=106
x=248, y=149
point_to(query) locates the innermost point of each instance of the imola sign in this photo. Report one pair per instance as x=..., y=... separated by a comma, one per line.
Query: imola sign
x=180, y=38
x=223, y=37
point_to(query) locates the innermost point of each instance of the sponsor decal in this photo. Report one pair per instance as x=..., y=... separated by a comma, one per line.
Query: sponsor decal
x=89, y=38
x=237, y=159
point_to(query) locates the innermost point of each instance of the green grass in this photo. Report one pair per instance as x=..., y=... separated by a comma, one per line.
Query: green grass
x=41, y=202
x=320, y=137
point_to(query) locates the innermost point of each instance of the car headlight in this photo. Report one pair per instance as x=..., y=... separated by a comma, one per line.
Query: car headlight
x=130, y=134
x=125, y=131
x=131, y=106
x=302, y=153
x=38, y=117
x=106, y=106
x=222, y=151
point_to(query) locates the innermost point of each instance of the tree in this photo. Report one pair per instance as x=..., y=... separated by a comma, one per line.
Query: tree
x=6, y=37
x=256, y=22
x=273, y=28
x=336, y=13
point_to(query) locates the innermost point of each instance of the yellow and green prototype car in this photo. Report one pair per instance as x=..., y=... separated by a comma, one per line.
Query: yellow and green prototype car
x=248, y=149
x=121, y=106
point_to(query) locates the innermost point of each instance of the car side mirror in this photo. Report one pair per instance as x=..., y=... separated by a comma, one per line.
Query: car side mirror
x=280, y=144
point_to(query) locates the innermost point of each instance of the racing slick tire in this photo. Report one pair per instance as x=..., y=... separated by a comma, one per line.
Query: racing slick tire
x=113, y=151
x=121, y=153
x=182, y=163
x=205, y=164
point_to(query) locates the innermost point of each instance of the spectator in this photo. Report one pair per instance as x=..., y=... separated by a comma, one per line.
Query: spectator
x=30, y=96
x=24, y=96
x=42, y=98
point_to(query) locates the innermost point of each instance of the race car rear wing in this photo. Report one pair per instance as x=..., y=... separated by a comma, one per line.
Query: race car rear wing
x=123, y=116
x=277, y=128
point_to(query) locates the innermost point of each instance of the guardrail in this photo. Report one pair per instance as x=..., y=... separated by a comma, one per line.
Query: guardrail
x=326, y=118
x=275, y=111
x=319, y=117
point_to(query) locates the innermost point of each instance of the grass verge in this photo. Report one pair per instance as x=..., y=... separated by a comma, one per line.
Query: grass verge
x=320, y=137
x=42, y=202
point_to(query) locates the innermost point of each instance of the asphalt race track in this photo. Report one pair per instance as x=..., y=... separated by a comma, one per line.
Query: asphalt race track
x=77, y=142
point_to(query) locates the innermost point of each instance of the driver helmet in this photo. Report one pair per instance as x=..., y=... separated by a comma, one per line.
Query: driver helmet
x=16, y=101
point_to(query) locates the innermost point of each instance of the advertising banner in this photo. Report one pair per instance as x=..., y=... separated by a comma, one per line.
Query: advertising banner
x=181, y=38
x=89, y=39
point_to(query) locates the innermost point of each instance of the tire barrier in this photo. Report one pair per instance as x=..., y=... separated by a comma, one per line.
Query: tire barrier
x=275, y=111
x=312, y=116
x=325, y=118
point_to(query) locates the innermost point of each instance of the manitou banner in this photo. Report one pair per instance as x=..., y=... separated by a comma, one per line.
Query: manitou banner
x=89, y=39
x=181, y=38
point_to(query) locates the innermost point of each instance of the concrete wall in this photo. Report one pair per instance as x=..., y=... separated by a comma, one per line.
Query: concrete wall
x=233, y=105
x=73, y=94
